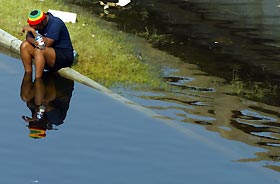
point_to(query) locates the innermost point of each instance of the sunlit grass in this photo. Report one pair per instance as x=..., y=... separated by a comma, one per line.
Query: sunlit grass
x=104, y=54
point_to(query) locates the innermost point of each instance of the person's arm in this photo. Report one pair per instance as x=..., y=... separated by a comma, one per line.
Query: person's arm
x=31, y=40
x=48, y=41
x=30, y=36
x=30, y=29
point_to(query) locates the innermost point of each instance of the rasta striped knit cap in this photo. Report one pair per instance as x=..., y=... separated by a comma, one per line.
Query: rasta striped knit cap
x=36, y=17
x=37, y=133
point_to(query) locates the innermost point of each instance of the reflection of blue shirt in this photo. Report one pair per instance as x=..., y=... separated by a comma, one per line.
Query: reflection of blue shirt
x=57, y=30
x=64, y=88
x=57, y=115
x=60, y=105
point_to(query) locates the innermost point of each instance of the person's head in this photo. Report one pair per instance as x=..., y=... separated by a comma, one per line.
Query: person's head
x=36, y=19
x=36, y=132
x=37, y=127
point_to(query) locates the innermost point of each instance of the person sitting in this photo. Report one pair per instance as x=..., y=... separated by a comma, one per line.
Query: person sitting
x=58, y=52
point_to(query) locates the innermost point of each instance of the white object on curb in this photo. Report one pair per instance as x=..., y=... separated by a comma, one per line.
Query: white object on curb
x=64, y=16
x=112, y=4
x=123, y=2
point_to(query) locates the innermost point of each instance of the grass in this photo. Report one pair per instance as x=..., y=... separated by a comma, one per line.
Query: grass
x=104, y=54
x=258, y=91
x=153, y=37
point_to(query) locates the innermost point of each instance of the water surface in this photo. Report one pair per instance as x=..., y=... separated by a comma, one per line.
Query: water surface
x=234, y=40
x=105, y=141
x=215, y=44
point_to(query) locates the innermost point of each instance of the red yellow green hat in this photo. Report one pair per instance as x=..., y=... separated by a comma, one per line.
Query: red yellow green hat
x=37, y=133
x=36, y=17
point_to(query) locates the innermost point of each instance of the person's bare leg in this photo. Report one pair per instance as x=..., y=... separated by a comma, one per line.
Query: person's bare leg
x=26, y=89
x=27, y=54
x=40, y=91
x=50, y=56
x=39, y=62
x=42, y=58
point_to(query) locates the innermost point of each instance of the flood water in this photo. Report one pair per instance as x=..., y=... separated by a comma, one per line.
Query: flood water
x=196, y=131
x=205, y=45
x=234, y=40
x=92, y=137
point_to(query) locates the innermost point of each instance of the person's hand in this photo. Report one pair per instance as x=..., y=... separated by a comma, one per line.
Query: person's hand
x=29, y=29
x=28, y=119
x=36, y=44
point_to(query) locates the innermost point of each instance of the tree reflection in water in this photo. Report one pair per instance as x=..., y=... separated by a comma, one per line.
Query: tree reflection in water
x=48, y=99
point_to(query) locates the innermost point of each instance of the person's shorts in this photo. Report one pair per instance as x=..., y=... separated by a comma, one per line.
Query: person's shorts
x=64, y=58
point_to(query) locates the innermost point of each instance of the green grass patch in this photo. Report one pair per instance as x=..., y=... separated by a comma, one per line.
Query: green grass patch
x=104, y=53
x=257, y=91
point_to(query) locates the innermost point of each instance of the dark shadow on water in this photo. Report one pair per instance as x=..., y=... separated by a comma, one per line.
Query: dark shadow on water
x=48, y=99
x=217, y=36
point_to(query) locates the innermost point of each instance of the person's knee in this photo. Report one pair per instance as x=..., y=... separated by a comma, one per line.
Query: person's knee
x=25, y=97
x=24, y=45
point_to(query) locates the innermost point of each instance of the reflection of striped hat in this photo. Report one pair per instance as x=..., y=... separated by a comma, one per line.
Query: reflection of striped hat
x=37, y=133
x=35, y=17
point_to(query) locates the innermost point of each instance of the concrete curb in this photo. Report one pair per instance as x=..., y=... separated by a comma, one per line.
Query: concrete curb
x=10, y=42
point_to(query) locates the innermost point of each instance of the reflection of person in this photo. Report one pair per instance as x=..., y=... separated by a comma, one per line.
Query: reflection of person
x=48, y=99
x=58, y=52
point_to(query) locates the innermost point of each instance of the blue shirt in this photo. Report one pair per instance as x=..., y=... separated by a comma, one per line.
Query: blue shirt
x=57, y=30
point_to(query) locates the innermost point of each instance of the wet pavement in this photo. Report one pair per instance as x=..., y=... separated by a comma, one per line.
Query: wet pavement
x=102, y=140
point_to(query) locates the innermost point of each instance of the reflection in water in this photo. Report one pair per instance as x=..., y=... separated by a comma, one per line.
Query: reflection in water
x=223, y=38
x=234, y=118
x=262, y=130
x=48, y=99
